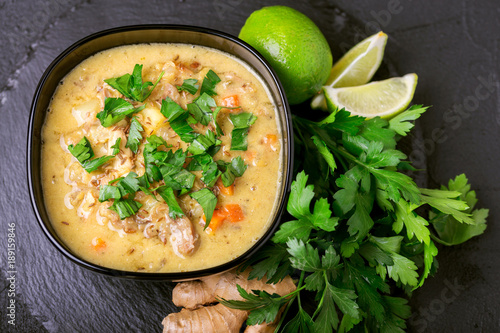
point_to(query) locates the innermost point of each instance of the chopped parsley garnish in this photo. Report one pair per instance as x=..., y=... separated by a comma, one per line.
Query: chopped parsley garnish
x=163, y=165
x=129, y=184
x=125, y=207
x=134, y=135
x=107, y=192
x=150, y=158
x=123, y=194
x=115, y=110
x=203, y=143
x=232, y=170
x=207, y=201
x=131, y=86
x=92, y=165
x=177, y=177
x=241, y=122
x=178, y=119
x=116, y=146
x=189, y=85
x=201, y=110
x=218, y=129
x=209, y=83
x=83, y=152
x=167, y=193
x=210, y=173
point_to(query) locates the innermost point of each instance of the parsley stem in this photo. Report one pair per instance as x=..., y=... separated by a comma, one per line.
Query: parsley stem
x=320, y=304
x=294, y=294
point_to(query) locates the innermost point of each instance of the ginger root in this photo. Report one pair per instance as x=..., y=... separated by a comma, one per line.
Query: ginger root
x=199, y=313
x=215, y=318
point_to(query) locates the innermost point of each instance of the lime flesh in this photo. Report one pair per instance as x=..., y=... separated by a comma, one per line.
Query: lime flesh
x=384, y=98
x=356, y=67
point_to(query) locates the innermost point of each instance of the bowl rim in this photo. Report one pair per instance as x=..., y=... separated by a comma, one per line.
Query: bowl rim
x=167, y=276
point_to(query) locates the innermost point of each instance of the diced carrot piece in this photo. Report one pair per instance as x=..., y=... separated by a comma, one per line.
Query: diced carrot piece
x=227, y=191
x=249, y=156
x=98, y=244
x=234, y=212
x=231, y=101
x=270, y=139
x=218, y=218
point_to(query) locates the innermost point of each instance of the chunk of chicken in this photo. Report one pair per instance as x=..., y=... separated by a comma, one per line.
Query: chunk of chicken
x=180, y=231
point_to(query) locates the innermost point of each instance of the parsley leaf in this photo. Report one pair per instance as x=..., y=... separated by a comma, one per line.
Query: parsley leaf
x=207, y=201
x=449, y=229
x=150, y=158
x=203, y=143
x=352, y=195
x=210, y=173
x=302, y=322
x=209, y=82
x=201, y=110
x=265, y=306
x=116, y=146
x=92, y=165
x=298, y=206
x=115, y=110
x=325, y=152
x=447, y=203
x=125, y=207
x=167, y=193
x=430, y=251
x=218, y=129
x=129, y=184
x=401, y=123
x=82, y=150
x=234, y=169
x=131, y=86
x=343, y=121
x=134, y=135
x=177, y=118
x=241, y=125
x=272, y=262
x=107, y=192
x=177, y=177
x=415, y=224
x=189, y=85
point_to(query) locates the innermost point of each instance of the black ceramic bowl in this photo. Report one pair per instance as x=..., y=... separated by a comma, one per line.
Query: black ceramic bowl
x=100, y=41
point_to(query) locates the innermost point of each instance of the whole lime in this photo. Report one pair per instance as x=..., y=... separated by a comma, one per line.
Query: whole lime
x=294, y=46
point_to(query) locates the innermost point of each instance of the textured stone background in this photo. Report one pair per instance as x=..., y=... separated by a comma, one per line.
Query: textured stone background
x=453, y=46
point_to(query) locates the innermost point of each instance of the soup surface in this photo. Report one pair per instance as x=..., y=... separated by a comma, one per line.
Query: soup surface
x=116, y=215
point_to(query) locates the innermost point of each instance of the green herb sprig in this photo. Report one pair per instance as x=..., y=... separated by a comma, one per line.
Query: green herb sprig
x=356, y=236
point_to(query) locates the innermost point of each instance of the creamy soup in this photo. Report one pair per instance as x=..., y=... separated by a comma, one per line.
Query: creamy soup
x=154, y=236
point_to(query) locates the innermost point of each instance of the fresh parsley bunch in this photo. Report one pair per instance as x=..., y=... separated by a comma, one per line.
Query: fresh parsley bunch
x=358, y=238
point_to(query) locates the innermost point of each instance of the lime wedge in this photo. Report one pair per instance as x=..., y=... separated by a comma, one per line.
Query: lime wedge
x=382, y=98
x=356, y=67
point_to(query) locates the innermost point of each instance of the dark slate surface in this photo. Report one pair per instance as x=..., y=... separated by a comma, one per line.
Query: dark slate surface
x=453, y=46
